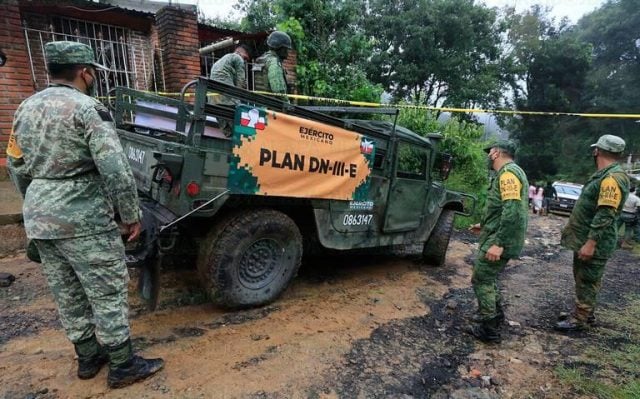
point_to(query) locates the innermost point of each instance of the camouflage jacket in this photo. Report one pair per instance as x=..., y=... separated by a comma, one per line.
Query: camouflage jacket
x=71, y=153
x=594, y=215
x=505, y=220
x=230, y=70
x=276, y=80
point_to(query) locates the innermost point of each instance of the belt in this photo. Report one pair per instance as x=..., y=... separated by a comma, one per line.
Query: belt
x=88, y=173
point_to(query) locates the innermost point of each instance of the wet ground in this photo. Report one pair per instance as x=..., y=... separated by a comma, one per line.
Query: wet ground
x=356, y=327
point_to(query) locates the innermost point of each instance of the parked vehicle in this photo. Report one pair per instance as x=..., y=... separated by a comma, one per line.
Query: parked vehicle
x=249, y=198
x=568, y=194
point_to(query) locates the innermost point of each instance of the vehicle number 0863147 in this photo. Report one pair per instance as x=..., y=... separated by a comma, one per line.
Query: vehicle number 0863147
x=357, y=220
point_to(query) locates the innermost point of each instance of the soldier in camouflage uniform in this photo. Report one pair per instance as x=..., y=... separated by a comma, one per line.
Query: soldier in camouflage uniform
x=502, y=233
x=73, y=172
x=230, y=69
x=268, y=71
x=592, y=232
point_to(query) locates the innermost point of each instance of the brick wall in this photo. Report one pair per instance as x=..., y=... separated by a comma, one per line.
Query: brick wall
x=142, y=47
x=289, y=64
x=179, y=43
x=15, y=76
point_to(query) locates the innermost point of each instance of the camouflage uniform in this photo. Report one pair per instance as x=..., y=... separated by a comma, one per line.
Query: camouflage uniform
x=229, y=69
x=504, y=224
x=594, y=217
x=67, y=146
x=270, y=75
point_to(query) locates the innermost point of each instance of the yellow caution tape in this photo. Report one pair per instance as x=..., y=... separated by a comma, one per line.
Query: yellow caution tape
x=422, y=107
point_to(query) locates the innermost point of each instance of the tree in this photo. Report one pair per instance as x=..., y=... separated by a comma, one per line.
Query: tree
x=436, y=52
x=550, y=66
x=259, y=15
x=331, y=46
x=613, y=84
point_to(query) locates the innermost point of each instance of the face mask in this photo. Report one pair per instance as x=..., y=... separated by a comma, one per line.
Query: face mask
x=90, y=88
x=282, y=52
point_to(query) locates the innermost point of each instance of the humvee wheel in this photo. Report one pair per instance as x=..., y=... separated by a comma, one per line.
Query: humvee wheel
x=435, y=249
x=250, y=258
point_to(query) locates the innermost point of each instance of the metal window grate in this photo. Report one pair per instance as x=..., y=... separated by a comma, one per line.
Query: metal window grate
x=131, y=60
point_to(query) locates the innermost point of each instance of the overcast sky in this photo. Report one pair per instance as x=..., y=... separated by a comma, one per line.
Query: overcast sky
x=573, y=9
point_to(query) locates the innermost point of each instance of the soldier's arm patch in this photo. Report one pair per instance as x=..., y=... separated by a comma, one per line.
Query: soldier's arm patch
x=510, y=186
x=13, y=150
x=104, y=113
x=610, y=193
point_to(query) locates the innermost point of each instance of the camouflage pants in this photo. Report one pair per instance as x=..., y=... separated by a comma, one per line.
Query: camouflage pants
x=88, y=278
x=588, y=278
x=485, y=285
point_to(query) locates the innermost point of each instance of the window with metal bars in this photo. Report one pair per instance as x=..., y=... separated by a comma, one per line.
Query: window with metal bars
x=128, y=55
x=111, y=46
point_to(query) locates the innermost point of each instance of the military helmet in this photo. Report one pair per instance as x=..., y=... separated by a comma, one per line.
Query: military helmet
x=611, y=143
x=278, y=39
x=70, y=53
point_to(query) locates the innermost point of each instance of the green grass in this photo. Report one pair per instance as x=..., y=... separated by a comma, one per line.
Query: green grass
x=608, y=364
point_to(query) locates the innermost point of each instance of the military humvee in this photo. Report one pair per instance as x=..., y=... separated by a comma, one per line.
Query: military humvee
x=253, y=184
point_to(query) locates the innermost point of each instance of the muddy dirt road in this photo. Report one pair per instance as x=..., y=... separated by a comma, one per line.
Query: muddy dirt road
x=358, y=327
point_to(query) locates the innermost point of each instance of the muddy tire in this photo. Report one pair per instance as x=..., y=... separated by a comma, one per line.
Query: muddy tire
x=249, y=258
x=435, y=249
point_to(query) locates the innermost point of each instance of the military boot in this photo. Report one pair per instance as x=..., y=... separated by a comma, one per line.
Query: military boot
x=125, y=368
x=91, y=358
x=572, y=324
x=487, y=330
x=476, y=318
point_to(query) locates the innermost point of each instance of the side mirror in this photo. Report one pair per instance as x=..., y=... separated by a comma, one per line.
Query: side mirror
x=3, y=59
x=444, y=163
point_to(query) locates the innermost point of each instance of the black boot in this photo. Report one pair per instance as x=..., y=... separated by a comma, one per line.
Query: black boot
x=571, y=324
x=476, y=318
x=125, y=368
x=91, y=358
x=487, y=330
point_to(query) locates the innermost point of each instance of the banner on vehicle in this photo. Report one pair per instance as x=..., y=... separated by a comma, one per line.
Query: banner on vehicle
x=277, y=154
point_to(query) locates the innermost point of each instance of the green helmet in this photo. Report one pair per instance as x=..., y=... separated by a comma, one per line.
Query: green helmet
x=278, y=39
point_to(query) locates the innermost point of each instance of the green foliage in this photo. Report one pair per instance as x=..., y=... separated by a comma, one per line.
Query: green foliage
x=550, y=65
x=462, y=140
x=259, y=15
x=436, y=52
x=604, y=371
x=331, y=46
x=592, y=67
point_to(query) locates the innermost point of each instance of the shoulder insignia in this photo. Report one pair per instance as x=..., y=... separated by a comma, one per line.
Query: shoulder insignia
x=13, y=150
x=610, y=193
x=510, y=186
x=104, y=113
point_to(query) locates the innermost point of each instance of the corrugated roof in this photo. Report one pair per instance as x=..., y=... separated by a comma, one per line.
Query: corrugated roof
x=147, y=6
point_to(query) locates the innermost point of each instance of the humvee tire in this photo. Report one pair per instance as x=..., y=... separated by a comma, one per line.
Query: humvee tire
x=435, y=248
x=249, y=258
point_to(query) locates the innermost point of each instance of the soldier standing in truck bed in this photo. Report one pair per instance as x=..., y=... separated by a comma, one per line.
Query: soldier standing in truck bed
x=269, y=75
x=230, y=69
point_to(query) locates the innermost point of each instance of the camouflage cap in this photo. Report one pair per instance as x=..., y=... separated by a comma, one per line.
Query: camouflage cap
x=507, y=145
x=74, y=53
x=611, y=143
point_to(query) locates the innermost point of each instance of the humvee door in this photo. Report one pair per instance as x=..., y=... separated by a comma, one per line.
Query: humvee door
x=409, y=189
